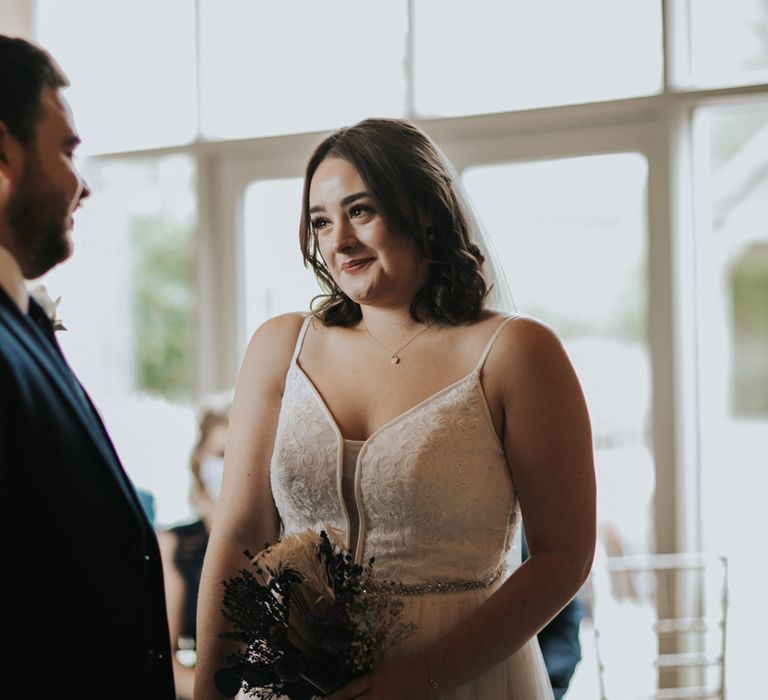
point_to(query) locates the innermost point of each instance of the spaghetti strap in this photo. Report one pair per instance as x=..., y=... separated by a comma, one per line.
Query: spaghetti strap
x=300, y=338
x=490, y=343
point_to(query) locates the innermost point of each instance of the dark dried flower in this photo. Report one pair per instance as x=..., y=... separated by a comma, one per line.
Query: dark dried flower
x=309, y=619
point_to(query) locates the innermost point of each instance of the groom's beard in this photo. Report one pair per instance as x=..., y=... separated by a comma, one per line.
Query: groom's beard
x=38, y=216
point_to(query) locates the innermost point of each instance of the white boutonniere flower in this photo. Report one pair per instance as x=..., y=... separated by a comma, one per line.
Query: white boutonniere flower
x=41, y=296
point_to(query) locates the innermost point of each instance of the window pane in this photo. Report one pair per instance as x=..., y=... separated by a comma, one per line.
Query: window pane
x=732, y=344
x=474, y=56
x=729, y=41
x=748, y=286
x=571, y=235
x=132, y=68
x=734, y=194
x=275, y=68
x=128, y=305
x=276, y=281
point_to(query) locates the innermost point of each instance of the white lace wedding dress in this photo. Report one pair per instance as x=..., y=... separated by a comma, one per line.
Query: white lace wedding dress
x=429, y=496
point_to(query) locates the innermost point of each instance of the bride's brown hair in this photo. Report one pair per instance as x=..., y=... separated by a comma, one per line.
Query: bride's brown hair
x=405, y=176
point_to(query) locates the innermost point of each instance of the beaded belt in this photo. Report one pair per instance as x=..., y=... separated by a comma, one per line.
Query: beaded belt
x=440, y=586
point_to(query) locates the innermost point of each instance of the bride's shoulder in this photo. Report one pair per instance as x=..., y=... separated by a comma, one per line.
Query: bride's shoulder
x=272, y=343
x=519, y=327
x=515, y=323
x=284, y=327
x=523, y=342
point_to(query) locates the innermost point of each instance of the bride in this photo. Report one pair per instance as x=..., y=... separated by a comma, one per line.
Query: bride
x=416, y=420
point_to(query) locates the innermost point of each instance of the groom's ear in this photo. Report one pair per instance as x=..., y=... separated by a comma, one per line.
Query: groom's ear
x=4, y=143
x=10, y=153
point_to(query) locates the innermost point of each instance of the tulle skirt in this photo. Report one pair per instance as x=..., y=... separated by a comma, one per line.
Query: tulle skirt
x=522, y=676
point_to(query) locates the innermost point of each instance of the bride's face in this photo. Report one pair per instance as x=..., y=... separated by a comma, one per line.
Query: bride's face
x=371, y=264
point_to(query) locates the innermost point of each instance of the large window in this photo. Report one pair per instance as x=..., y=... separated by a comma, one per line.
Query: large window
x=616, y=151
x=729, y=42
x=571, y=234
x=732, y=334
x=270, y=247
x=132, y=67
x=495, y=55
x=277, y=68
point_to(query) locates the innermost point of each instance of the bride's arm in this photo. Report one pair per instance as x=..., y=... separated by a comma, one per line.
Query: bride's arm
x=245, y=516
x=548, y=442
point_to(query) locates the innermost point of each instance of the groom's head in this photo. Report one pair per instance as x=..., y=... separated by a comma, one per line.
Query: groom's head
x=39, y=185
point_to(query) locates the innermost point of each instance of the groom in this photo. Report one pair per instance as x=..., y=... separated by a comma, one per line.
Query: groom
x=82, y=609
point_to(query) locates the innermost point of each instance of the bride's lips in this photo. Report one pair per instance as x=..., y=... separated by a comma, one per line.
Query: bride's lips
x=353, y=266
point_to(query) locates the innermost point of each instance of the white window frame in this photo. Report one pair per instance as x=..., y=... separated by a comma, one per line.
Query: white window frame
x=658, y=126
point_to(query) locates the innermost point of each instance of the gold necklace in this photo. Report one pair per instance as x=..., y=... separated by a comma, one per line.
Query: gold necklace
x=394, y=356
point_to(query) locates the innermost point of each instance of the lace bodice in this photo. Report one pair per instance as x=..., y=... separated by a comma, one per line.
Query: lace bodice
x=433, y=491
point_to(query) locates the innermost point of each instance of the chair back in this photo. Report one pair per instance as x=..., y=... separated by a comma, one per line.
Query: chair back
x=660, y=626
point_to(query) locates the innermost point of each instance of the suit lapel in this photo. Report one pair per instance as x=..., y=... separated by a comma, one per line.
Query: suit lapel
x=52, y=362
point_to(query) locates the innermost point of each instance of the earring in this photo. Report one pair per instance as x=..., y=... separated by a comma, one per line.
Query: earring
x=430, y=235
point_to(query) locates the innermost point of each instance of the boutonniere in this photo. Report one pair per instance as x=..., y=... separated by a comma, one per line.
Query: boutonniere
x=41, y=296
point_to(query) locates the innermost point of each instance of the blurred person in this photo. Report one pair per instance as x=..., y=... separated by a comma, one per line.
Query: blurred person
x=147, y=500
x=183, y=547
x=412, y=413
x=82, y=609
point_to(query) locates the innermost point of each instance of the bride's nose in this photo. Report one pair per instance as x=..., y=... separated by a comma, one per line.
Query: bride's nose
x=344, y=236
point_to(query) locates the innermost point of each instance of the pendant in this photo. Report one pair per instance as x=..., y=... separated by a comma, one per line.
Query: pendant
x=395, y=360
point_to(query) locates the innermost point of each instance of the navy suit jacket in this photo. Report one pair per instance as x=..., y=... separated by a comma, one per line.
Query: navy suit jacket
x=82, y=607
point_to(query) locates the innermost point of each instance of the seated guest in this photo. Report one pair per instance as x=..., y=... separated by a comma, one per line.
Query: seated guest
x=183, y=547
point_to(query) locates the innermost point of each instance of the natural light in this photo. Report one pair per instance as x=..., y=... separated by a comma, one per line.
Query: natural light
x=616, y=152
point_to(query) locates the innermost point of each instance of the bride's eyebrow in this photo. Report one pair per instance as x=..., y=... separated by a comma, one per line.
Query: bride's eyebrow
x=344, y=202
x=353, y=198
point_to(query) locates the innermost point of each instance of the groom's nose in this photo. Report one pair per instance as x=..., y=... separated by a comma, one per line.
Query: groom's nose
x=86, y=191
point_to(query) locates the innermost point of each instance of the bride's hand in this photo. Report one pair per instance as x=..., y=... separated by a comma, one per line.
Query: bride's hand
x=401, y=679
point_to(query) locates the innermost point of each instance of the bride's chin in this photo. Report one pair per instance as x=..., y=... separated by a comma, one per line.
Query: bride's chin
x=359, y=296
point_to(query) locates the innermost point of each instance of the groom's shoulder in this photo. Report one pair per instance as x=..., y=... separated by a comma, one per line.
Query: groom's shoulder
x=20, y=377
x=11, y=350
